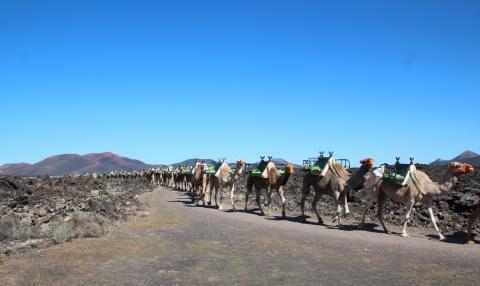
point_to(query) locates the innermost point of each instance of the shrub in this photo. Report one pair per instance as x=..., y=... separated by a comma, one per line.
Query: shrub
x=81, y=225
x=12, y=229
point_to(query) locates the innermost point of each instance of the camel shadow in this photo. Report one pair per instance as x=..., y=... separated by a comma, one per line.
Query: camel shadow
x=185, y=201
x=296, y=219
x=369, y=227
x=188, y=202
x=254, y=211
x=458, y=237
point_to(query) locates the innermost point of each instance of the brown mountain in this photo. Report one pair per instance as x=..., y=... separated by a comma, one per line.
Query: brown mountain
x=468, y=157
x=74, y=163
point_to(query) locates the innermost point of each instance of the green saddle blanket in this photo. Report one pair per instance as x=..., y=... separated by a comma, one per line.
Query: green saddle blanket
x=398, y=173
x=258, y=172
x=318, y=167
x=210, y=170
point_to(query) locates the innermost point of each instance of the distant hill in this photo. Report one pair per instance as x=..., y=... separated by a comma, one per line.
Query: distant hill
x=468, y=157
x=191, y=162
x=281, y=161
x=73, y=163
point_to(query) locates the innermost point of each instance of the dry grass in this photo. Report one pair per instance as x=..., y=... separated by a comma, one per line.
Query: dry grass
x=81, y=225
x=12, y=229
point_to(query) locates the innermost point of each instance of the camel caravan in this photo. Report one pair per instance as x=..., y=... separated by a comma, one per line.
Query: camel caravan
x=402, y=183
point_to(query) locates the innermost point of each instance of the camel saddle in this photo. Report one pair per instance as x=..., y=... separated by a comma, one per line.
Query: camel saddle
x=210, y=170
x=319, y=166
x=258, y=170
x=400, y=174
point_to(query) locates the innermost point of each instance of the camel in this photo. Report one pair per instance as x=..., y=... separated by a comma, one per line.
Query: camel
x=199, y=179
x=177, y=178
x=167, y=177
x=471, y=221
x=270, y=180
x=330, y=182
x=223, y=178
x=421, y=189
x=182, y=178
x=356, y=181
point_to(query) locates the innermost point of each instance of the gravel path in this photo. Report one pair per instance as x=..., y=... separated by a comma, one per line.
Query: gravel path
x=179, y=244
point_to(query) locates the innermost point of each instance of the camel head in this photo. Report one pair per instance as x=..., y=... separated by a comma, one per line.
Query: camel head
x=239, y=168
x=454, y=170
x=458, y=169
x=199, y=166
x=367, y=163
x=289, y=169
x=240, y=163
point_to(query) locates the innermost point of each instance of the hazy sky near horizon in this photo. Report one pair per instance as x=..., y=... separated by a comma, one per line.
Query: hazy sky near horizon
x=162, y=81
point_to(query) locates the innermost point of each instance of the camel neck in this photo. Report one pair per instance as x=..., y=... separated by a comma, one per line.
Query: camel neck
x=284, y=179
x=236, y=173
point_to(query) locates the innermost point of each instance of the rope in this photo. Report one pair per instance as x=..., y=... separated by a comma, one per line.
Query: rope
x=416, y=183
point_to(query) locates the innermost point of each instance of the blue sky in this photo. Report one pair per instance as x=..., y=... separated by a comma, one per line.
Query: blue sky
x=162, y=81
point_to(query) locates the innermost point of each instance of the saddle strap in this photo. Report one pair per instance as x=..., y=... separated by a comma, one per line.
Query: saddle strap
x=417, y=184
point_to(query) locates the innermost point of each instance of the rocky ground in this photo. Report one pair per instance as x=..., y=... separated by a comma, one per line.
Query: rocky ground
x=180, y=244
x=452, y=208
x=45, y=210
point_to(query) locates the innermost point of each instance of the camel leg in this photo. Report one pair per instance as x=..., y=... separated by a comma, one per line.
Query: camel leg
x=381, y=204
x=206, y=193
x=338, y=208
x=305, y=192
x=232, y=196
x=314, y=206
x=220, y=189
x=368, y=205
x=434, y=222
x=257, y=198
x=247, y=195
x=407, y=218
x=200, y=195
x=269, y=198
x=196, y=195
x=346, y=210
x=216, y=188
x=249, y=190
x=471, y=220
x=284, y=201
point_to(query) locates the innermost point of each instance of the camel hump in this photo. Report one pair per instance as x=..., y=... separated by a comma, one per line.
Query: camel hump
x=340, y=170
x=223, y=172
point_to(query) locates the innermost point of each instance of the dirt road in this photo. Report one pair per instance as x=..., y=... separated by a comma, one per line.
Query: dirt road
x=178, y=244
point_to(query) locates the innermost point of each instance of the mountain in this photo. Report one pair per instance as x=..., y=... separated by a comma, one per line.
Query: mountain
x=280, y=161
x=74, y=163
x=468, y=157
x=191, y=162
